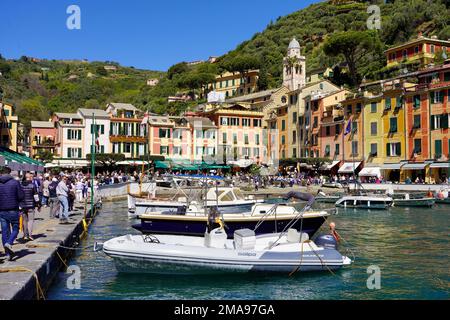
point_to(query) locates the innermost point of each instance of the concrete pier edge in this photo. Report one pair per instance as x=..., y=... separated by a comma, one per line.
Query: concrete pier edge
x=31, y=281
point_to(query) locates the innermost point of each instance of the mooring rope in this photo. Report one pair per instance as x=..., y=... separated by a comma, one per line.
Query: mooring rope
x=39, y=291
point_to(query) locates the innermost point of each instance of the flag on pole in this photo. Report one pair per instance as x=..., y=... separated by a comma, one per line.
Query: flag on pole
x=97, y=135
x=348, y=129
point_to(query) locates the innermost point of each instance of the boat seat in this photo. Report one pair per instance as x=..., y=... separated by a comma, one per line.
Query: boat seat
x=294, y=236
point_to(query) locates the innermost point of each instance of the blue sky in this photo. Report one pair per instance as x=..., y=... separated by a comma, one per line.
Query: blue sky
x=146, y=34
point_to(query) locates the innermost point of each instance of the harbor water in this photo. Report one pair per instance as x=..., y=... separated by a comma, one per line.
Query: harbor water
x=410, y=246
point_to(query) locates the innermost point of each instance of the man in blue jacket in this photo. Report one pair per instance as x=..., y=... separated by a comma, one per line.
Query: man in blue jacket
x=11, y=194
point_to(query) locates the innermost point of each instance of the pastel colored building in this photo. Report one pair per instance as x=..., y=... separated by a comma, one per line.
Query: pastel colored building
x=69, y=139
x=235, y=83
x=421, y=51
x=127, y=134
x=42, y=137
x=160, y=135
x=240, y=132
x=96, y=126
x=330, y=130
x=8, y=126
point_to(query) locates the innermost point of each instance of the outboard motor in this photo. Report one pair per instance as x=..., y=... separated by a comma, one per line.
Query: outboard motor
x=181, y=210
x=327, y=241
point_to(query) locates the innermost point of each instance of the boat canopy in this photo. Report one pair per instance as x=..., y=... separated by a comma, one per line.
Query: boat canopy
x=370, y=172
x=439, y=165
x=391, y=166
x=414, y=166
x=349, y=167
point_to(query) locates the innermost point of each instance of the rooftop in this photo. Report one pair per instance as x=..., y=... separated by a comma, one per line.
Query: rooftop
x=205, y=122
x=123, y=106
x=252, y=96
x=89, y=112
x=42, y=124
x=63, y=115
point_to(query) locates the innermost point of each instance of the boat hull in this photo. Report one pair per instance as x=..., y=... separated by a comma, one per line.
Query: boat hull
x=414, y=202
x=196, y=227
x=144, y=208
x=443, y=201
x=179, y=259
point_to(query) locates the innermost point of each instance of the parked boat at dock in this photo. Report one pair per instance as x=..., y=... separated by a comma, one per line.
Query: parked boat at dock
x=365, y=202
x=270, y=217
x=408, y=200
x=213, y=253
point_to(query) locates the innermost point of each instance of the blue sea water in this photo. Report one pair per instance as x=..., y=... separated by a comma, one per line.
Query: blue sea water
x=409, y=245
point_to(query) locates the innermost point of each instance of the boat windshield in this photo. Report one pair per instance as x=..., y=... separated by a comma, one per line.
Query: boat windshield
x=238, y=194
x=225, y=195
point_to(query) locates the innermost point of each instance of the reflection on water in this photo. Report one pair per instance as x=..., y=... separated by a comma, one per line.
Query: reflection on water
x=409, y=245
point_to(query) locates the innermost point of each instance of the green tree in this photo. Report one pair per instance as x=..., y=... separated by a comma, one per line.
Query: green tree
x=4, y=68
x=107, y=159
x=100, y=70
x=45, y=156
x=178, y=68
x=354, y=46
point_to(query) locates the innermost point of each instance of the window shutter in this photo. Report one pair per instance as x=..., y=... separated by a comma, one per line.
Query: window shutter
x=431, y=97
x=399, y=148
x=388, y=149
x=444, y=121
x=432, y=126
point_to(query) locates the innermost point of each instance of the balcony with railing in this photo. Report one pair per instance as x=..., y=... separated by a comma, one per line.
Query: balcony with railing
x=331, y=115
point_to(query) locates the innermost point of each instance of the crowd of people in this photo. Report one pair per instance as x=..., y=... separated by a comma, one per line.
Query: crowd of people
x=21, y=200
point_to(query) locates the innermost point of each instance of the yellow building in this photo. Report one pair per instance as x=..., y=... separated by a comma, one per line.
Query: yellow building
x=373, y=129
x=234, y=83
x=393, y=130
x=8, y=126
x=278, y=126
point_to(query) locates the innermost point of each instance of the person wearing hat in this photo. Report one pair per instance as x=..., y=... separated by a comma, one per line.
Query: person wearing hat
x=11, y=194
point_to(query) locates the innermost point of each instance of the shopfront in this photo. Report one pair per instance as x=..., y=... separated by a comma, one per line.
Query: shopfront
x=439, y=172
x=415, y=173
x=391, y=172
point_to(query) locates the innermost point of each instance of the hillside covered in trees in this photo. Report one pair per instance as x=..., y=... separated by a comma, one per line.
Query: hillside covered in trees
x=331, y=33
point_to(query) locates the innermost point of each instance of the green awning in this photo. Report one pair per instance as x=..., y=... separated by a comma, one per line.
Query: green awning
x=162, y=164
x=17, y=161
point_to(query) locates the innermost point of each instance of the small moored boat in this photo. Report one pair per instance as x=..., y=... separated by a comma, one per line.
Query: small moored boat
x=406, y=200
x=365, y=202
x=286, y=252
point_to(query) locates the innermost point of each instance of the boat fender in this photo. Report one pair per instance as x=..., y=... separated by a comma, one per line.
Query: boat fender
x=327, y=241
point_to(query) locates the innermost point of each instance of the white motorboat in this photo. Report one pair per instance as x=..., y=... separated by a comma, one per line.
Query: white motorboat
x=227, y=199
x=214, y=253
x=365, y=202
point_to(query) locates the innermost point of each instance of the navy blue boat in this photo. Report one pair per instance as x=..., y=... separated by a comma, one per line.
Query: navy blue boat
x=195, y=225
